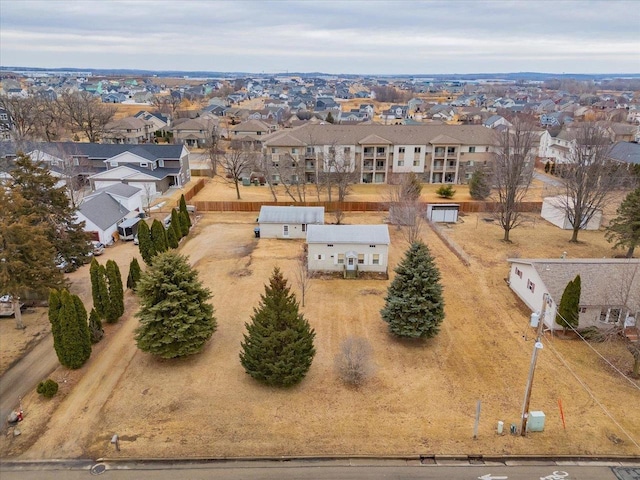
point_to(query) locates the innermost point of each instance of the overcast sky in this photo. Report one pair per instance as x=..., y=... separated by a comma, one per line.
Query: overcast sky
x=359, y=37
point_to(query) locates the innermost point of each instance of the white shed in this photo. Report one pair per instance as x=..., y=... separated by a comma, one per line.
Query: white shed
x=348, y=248
x=443, y=212
x=288, y=222
x=554, y=211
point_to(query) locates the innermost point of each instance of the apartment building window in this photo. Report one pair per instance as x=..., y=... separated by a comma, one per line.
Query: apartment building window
x=294, y=151
x=380, y=150
x=472, y=149
x=451, y=150
x=310, y=150
x=439, y=151
x=380, y=163
x=531, y=286
x=274, y=150
x=417, y=149
x=375, y=259
x=347, y=149
x=416, y=163
x=401, y=163
x=401, y=150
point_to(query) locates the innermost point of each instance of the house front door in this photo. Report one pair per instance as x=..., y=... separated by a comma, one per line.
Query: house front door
x=351, y=264
x=285, y=231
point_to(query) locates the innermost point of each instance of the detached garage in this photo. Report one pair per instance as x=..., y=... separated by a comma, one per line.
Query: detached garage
x=443, y=212
x=554, y=211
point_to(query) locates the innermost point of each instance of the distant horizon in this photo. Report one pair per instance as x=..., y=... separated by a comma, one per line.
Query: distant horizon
x=383, y=38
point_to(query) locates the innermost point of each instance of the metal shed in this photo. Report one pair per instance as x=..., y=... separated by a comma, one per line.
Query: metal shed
x=443, y=212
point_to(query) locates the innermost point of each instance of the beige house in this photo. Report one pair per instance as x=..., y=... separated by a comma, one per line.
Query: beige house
x=348, y=248
x=129, y=130
x=437, y=153
x=193, y=132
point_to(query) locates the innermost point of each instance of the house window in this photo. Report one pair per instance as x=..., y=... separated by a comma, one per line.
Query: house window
x=518, y=272
x=401, y=163
x=294, y=151
x=274, y=150
x=401, y=150
x=347, y=149
x=144, y=164
x=341, y=258
x=310, y=150
x=319, y=257
x=610, y=315
x=471, y=163
x=361, y=258
x=113, y=163
x=3, y=116
x=285, y=230
x=531, y=286
x=417, y=149
x=375, y=260
x=304, y=227
x=472, y=149
x=416, y=163
x=583, y=309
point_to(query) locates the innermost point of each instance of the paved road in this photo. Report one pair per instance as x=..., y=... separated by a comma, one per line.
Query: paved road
x=25, y=375
x=326, y=470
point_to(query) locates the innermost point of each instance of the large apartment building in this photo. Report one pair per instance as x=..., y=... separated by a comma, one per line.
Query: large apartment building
x=437, y=153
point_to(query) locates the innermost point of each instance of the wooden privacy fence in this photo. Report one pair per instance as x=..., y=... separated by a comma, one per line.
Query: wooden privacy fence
x=465, y=207
x=189, y=194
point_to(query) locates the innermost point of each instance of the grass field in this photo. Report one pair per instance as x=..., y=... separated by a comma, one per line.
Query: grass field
x=421, y=400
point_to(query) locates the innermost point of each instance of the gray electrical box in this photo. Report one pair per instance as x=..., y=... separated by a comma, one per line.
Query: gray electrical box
x=536, y=421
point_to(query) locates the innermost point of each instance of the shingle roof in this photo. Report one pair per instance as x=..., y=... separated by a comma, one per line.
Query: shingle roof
x=367, y=234
x=306, y=215
x=627, y=152
x=120, y=189
x=328, y=134
x=103, y=210
x=604, y=281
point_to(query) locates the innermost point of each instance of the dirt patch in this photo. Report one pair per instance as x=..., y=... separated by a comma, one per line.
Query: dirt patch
x=421, y=400
x=16, y=343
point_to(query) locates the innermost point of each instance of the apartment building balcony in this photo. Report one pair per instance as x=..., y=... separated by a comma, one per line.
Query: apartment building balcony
x=367, y=166
x=310, y=166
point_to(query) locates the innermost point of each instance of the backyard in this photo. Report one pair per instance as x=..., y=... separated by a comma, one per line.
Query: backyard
x=422, y=398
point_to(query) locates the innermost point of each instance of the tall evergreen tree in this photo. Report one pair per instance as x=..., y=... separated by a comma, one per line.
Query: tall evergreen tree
x=568, y=315
x=183, y=209
x=278, y=346
x=54, y=318
x=479, y=187
x=99, y=289
x=184, y=223
x=145, y=244
x=134, y=274
x=624, y=229
x=116, y=291
x=50, y=207
x=96, y=331
x=175, y=225
x=75, y=342
x=175, y=318
x=172, y=240
x=414, y=306
x=158, y=237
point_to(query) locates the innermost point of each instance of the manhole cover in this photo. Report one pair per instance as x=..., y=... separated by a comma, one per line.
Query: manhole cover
x=98, y=468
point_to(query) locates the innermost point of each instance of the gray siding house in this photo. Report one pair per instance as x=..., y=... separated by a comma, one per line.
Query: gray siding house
x=288, y=222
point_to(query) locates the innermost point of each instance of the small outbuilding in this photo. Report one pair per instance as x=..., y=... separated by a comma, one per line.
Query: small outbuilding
x=288, y=222
x=554, y=211
x=443, y=212
x=348, y=248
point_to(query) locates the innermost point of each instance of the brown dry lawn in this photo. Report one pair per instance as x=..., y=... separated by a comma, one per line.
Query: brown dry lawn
x=421, y=400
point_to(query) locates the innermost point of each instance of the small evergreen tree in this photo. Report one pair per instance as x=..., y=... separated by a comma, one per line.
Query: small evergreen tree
x=183, y=209
x=99, y=289
x=172, y=241
x=446, y=191
x=414, y=306
x=158, y=237
x=175, y=318
x=48, y=388
x=145, y=244
x=54, y=318
x=75, y=342
x=96, y=331
x=479, y=187
x=134, y=274
x=568, y=315
x=547, y=166
x=278, y=346
x=175, y=223
x=329, y=118
x=116, y=292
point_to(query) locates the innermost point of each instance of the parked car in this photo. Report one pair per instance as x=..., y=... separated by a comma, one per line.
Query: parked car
x=135, y=240
x=6, y=306
x=98, y=248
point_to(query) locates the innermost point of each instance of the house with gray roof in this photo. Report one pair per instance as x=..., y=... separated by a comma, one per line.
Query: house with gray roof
x=349, y=249
x=126, y=195
x=610, y=294
x=101, y=215
x=626, y=152
x=288, y=222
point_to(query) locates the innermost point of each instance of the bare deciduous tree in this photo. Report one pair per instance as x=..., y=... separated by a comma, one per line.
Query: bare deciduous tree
x=405, y=209
x=23, y=113
x=86, y=113
x=354, y=363
x=513, y=172
x=302, y=275
x=238, y=162
x=589, y=178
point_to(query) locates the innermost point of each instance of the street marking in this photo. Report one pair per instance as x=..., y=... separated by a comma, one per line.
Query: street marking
x=557, y=475
x=488, y=476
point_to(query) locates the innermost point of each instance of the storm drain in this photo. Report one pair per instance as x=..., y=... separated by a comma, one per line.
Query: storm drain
x=98, y=469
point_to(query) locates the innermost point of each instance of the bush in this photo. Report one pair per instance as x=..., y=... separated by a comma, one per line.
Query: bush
x=446, y=191
x=354, y=364
x=48, y=388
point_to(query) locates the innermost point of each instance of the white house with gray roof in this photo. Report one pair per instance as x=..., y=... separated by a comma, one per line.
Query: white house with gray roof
x=101, y=213
x=128, y=196
x=288, y=222
x=348, y=248
x=610, y=292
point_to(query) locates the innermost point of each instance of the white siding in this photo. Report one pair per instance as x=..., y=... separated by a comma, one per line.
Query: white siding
x=520, y=284
x=275, y=230
x=328, y=260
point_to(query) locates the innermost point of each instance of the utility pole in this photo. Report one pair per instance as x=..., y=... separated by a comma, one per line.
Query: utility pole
x=537, y=346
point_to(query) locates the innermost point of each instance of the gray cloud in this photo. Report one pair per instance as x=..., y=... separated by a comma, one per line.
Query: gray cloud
x=331, y=36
